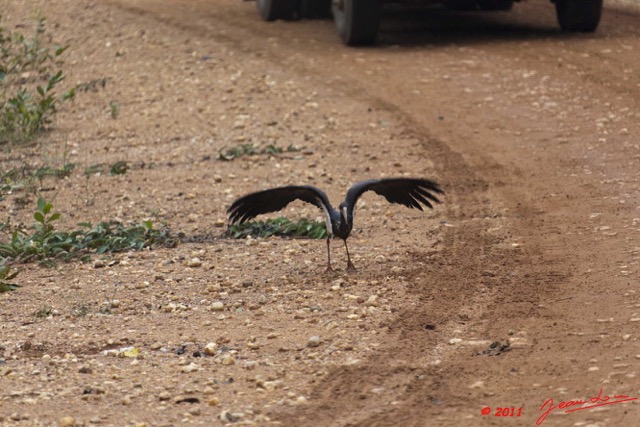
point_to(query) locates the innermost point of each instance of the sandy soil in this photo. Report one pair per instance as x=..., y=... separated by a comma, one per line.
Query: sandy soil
x=533, y=134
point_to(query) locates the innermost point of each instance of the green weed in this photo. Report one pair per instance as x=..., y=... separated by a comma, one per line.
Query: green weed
x=30, y=78
x=228, y=154
x=278, y=227
x=5, y=279
x=45, y=243
x=30, y=73
x=114, y=107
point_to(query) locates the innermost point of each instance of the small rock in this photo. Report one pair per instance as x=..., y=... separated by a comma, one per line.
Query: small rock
x=211, y=349
x=219, y=223
x=67, y=422
x=314, y=341
x=85, y=369
x=189, y=368
x=194, y=263
x=214, y=401
x=156, y=346
x=227, y=416
x=477, y=384
x=165, y=395
x=142, y=285
x=228, y=360
x=217, y=306
x=99, y=264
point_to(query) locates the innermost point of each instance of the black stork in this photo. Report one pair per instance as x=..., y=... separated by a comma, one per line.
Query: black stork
x=410, y=192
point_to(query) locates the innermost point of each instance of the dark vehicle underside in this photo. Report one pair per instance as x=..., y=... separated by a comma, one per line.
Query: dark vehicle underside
x=357, y=21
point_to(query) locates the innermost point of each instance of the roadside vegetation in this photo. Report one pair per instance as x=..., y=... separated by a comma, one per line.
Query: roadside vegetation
x=241, y=150
x=281, y=226
x=30, y=83
x=44, y=242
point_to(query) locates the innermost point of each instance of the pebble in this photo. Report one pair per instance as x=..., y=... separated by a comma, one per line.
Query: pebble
x=211, y=349
x=217, y=306
x=165, y=395
x=85, y=369
x=189, y=368
x=372, y=301
x=219, y=223
x=67, y=422
x=214, y=401
x=194, y=263
x=228, y=360
x=227, y=416
x=314, y=341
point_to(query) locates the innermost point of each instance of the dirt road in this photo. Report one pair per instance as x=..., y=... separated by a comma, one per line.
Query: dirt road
x=533, y=134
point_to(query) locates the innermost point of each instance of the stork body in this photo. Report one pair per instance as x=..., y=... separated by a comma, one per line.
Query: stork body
x=410, y=192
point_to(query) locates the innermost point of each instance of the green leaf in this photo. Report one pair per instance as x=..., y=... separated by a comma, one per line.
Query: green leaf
x=41, y=204
x=6, y=287
x=119, y=168
x=39, y=217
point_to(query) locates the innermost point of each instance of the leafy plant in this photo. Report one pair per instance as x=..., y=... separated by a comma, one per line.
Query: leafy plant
x=29, y=177
x=278, y=227
x=5, y=279
x=114, y=107
x=79, y=310
x=119, y=168
x=30, y=73
x=30, y=77
x=241, y=150
x=46, y=243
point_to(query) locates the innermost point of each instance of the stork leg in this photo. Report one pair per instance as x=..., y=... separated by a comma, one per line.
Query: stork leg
x=329, y=269
x=350, y=266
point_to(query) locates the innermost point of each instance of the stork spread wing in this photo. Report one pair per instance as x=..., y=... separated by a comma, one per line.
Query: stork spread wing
x=411, y=192
x=275, y=199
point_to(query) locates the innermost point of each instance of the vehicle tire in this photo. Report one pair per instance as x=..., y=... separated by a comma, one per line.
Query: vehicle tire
x=270, y=10
x=579, y=15
x=314, y=9
x=357, y=21
x=495, y=4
